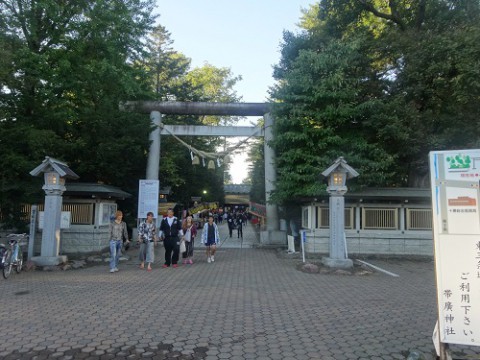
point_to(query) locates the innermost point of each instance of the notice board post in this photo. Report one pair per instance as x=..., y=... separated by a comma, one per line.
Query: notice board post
x=148, y=193
x=455, y=180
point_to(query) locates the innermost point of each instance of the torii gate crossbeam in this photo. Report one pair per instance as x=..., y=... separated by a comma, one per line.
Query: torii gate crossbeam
x=198, y=130
x=197, y=108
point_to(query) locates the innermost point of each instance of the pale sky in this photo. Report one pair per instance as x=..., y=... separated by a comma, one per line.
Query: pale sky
x=242, y=35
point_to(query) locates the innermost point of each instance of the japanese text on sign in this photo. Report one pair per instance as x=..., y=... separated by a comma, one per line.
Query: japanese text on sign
x=148, y=198
x=456, y=224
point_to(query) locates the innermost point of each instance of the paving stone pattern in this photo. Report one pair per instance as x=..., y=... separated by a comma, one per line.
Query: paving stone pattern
x=249, y=304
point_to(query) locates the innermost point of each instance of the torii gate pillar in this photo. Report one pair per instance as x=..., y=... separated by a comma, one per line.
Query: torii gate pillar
x=272, y=236
x=153, y=161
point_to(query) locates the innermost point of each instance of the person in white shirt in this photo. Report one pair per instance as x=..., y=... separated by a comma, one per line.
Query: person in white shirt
x=210, y=237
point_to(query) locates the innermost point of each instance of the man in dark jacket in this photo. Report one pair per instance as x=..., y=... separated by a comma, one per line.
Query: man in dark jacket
x=239, y=224
x=171, y=232
x=231, y=224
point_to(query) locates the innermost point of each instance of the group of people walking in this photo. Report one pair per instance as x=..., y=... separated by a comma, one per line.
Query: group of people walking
x=236, y=221
x=174, y=234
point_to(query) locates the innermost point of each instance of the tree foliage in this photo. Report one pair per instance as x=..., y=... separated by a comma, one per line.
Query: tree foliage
x=172, y=79
x=68, y=65
x=65, y=67
x=381, y=83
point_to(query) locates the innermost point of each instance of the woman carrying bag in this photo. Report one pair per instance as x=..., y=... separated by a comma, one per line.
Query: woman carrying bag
x=189, y=231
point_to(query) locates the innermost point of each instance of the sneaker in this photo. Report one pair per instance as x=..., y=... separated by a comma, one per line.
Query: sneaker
x=165, y=266
x=112, y=270
x=209, y=259
x=213, y=258
x=175, y=265
x=190, y=262
x=116, y=269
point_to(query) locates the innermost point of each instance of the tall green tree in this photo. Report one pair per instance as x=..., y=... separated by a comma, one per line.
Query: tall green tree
x=167, y=69
x=380, y=83
x=171, y=78
x=68, y=65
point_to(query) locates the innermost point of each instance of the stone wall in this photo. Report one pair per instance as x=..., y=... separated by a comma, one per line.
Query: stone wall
x=82, y=240
x=79, y=239
x=394, y=243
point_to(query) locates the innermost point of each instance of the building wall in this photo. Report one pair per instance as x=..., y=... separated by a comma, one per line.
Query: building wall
x=82, y=238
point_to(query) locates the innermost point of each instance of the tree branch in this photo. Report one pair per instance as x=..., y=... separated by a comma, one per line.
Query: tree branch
x=394, y=16
x=420, y=14
x=23, y=22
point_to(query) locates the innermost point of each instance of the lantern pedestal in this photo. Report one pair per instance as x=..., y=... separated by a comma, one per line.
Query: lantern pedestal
x=49, y=260
x=338, y=248
x=337, y=175
x=55, y=172
x=337, y=263
x=49, y=254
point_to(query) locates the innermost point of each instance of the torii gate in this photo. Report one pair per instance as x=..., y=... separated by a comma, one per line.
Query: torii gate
x=273, y=236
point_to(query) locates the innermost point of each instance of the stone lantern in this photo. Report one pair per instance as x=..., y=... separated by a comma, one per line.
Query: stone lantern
x=55, y=172
x=337, y=175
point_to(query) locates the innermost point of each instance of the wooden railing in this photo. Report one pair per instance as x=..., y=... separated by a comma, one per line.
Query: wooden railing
x=380, y=218
x=373, y=217
x=81, y=214
x=419, y=219
x=323, y=218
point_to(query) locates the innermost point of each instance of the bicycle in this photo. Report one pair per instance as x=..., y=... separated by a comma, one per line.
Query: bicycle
x=13, y=256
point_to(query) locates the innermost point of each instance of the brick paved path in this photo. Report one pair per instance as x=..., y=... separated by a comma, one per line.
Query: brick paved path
x=249, y=304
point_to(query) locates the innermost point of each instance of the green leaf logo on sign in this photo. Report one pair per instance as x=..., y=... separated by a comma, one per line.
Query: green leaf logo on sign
x=459, y=162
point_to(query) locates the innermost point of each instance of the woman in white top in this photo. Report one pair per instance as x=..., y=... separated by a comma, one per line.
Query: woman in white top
x=189, y=231
x=147, y=237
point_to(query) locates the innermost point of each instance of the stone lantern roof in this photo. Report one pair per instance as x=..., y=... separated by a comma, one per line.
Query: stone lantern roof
x=340, y=163
x=51, y=164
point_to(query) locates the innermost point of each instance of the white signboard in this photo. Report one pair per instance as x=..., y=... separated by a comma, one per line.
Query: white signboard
x=107, y=213
x=148, y=198
x=64, y=219
x=455, y=179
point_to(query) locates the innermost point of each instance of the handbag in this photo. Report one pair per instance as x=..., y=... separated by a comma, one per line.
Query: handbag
x=183, y=247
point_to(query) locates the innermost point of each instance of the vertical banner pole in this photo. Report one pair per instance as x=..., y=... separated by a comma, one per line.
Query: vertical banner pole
x=31, y=237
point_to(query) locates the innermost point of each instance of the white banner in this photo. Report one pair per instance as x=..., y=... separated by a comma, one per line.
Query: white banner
x=148, y=198
x=455, y=180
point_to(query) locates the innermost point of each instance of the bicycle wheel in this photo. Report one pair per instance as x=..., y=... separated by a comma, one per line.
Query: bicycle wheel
x=19, y=265
x=7, y=265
